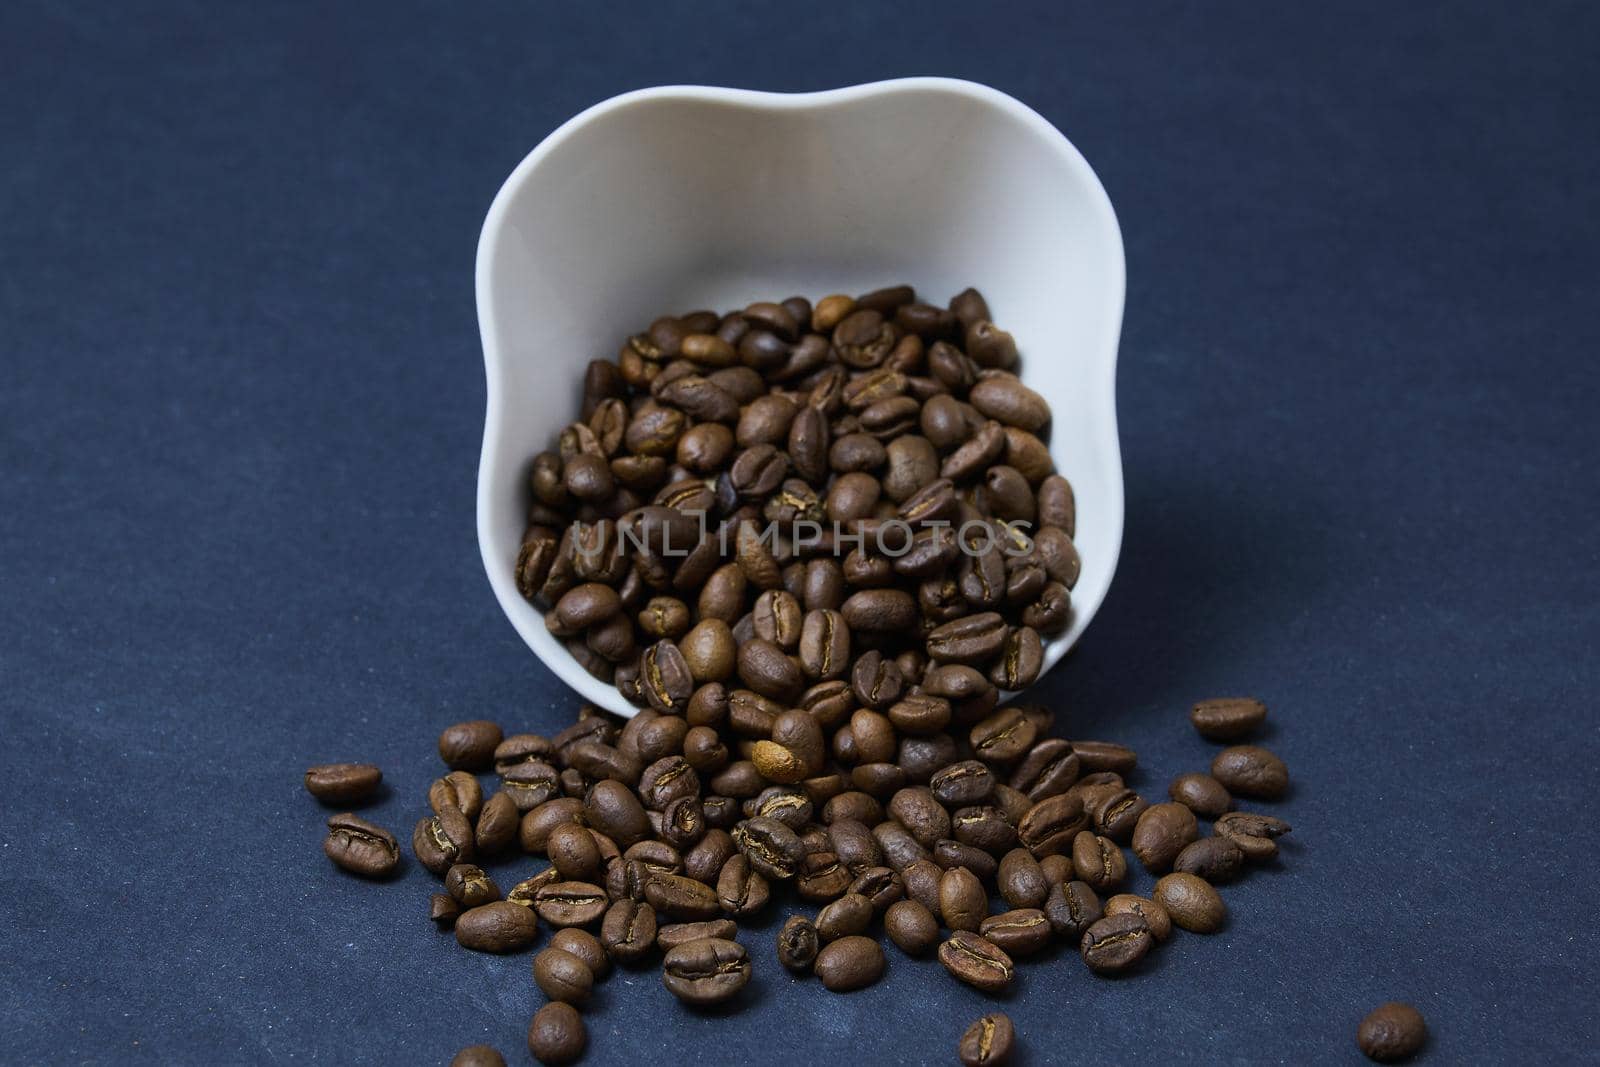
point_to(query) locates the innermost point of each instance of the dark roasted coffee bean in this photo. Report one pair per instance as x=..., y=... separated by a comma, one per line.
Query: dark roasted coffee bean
x=741, y=890
x=1096, y=756
x=977, y=962
x=1161, y=833
x=499, y=926
x=879, y=611
x=1020, y=932
x=912, y=927
x=557, y=1035
x=1115, y=944
x=987, y=1042
x=854, y=845
x=881, y=887
x=470, y=886
x=1191, y=902
x=1049, y=768
x=520, y=748
x=950, y=854
x=442, y=841
x=1051, y=824
x=1253, y=833
x=443, y=909
x=343, y=783
x=1392, y=1031
x=478, y=1056
x=1098, y=861
x=850, y=914
x=530, y=784
x=1022, y=880
x=665, y=678
x=851, y=962
x=921, y=814
x=469, y=746
x=573, y=851
x=684, y=899
x=1003, y=737
x=1057, y=869
x=628, y=930
x=570, y=903
x=963, y=902
x=585, y=946
x=522, y=894
x=798, y=944
x=1228, y=718
x=706, y=972
x=1154, y=915
x=361, y=847
x=1072, y=908
x=1251, y=771
x=774, y=850
x=1019, y=661
x=963, y=784
x=1201, y=794
x=562, y=976
x=459, y=790
x=974, y=640
x=983, y=826
x=671, y=936
x=1216, y=859
x=614, y=810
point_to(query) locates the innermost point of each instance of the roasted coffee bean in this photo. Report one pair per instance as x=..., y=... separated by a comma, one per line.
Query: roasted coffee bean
x=1115, y=943
x=478, y=1056
x=1098, y=861
x=1020, y=932
x=1154, y=915
x=443, y=909
x=1003, y=737
x=851, y=962
x=798, y=944
x=1191, y=902
x=573, y=851
x=1097, y=756
x=987, y=1042
x=530, y=784
x=963, y=784
x=912, y=927
x=974, y=640
x=540, y=823
x=585, y=946
x=881, y=887
x=442, y=841
x=880, y=611
x=1251, y=771
x=614, y=810
x=557, y=1035
x=678, y=897
x=985, y=827
x=361, y=847
x=665, y=678
x=922, y=878
x=706, y=972
x=1049, y=768
x=950, y=854
x=470, y=886
x=989, y=345
x=1161, y=833
x=1253, y=833
x=628, y=930
x=469, y=746
x=1051, y=824
x=1020, y=659
x=562, y=976
x=667, y=779
x=774, y=850
x=708, y=651
x=459, y=790
x=963, y=902
x=1392, y=1031
x=1071, y=908
x=977, y=961
x=520, y=748
x=499, y=926
x=1021, y=879
x=1216, y=859
x=741, y=890
x=570, y=903
x=1228, y=718
x=522, y=894
x=1115, y=812
x=1057, y=869
x=1201, y=794
x=850, y=914
x=343, y=784
x=671, y=936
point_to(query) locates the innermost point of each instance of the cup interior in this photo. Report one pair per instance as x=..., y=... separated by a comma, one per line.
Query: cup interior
x=669, y=200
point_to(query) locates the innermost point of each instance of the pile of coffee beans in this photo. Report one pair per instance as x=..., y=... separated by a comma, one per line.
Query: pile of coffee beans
x=830, y=506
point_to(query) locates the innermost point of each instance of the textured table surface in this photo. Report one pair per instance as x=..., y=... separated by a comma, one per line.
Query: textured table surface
x=240, y=406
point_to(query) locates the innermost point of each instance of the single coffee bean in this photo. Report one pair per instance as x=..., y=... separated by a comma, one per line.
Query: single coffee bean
x=1072, y=908
x=1154, y=915
x=519, y=748
x=963, y=784
x=671, y=936
x=530, y=783
x=922, y=878
x=741, y=890
x=629, y=930
x=850, y=914
x=1228, y=718
x=343, y=784
x=562, y=976
x=585, y=946
x=706, y=972
x=1253, y=833
x=963, y=902
x=1392, y=1031
x=984, y=826
x=1201, y=794
x=442, y=841
x=478, y=1056
x=1051, y=824
x=459, y=790
x=570, y=903
x=912, y=927
x=950, y=854
x=499, y=926
x=1095, y=756
x=1057, y=869
x=1216, y=859
x=1049, y=768
x=1098, y=861
x=470, y=886
x=1191, y=902
x=557, y=1035
x=443, y=909
x=774, y=849
x=1021, y=879
x=977, y=962
x=361, y=847
x=851, y=962
x=1116, y=943
x=1161, y=833
x=574, y=852
x=880, y=611
x=469, y=746
x=614, y=810
x=798, y=944
x=1020, y=932
x=522, y=894
x=987, y=1042
x=1251, y=771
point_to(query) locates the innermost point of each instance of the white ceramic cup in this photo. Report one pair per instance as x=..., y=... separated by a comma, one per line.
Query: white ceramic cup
x=668, y=199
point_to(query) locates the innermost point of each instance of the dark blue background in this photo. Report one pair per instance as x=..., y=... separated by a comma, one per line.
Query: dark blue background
x=240, y=407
